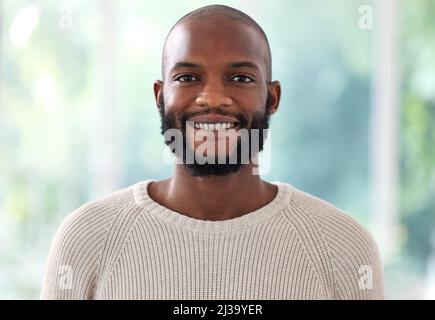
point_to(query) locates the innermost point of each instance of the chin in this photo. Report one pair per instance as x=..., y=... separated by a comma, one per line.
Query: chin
x=207, y=170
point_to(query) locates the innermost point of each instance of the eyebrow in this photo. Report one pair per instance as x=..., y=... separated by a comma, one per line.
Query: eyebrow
x=231, y=65
x=185, y=64
x=240, y=64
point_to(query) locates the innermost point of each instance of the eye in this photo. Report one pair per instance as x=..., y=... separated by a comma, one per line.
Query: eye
x=242, y=78
x=186, y=78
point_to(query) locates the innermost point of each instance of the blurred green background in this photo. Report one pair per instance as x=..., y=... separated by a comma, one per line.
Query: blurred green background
x=76, y=88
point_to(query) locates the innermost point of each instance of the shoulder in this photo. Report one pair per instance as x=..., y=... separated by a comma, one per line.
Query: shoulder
x=348, y=247
x=93, y=217
x=82, y=242
x=335, y=225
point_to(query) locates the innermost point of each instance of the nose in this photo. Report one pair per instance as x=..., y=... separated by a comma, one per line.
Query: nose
x=213, y=97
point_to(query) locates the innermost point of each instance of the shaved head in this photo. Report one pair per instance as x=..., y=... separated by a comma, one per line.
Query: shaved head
x=212, y=14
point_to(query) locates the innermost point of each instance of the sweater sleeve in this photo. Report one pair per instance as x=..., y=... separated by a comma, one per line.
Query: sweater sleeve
x=73, y=260
x=356, y=262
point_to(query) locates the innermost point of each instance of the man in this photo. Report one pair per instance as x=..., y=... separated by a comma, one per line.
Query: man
x=215, y=229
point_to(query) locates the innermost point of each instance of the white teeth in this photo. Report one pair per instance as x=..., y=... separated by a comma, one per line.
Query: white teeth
x=214, y=126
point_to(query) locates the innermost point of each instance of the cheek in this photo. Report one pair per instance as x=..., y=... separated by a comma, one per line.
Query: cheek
x=177, y=100
x=250, y=105
x=250, y=100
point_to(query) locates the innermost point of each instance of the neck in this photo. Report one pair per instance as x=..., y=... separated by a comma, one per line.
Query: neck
x=213, y=197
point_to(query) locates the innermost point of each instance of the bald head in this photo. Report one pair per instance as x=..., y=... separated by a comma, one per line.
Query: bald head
x=220, y=17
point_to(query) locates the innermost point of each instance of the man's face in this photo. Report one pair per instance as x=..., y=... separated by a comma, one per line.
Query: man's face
x=214, y=72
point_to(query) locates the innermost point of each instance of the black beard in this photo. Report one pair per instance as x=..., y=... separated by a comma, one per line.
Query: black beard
x=259, y=121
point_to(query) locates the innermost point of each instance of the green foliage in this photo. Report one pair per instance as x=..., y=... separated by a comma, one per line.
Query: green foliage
x=417, y=201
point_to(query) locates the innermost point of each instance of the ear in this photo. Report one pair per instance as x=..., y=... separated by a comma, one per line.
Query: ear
x=275, y=96
x=158, y=92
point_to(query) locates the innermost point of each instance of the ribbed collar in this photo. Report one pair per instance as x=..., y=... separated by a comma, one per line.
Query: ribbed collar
x=282, y=199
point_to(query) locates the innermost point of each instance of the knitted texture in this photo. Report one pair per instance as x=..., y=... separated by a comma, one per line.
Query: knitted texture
x=127, y=246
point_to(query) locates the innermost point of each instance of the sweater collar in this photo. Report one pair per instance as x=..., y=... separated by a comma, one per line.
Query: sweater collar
x=143, y=200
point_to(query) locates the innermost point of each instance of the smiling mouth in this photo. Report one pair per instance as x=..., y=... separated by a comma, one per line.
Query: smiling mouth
x=215, y=126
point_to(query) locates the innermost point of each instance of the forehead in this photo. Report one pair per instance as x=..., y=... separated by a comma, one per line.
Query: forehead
x=214, y=42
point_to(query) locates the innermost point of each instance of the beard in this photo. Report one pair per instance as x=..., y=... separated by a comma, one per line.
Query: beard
x=259, y=121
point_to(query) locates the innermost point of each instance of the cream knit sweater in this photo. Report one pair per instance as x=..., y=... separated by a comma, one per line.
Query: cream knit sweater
x=127, y=246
